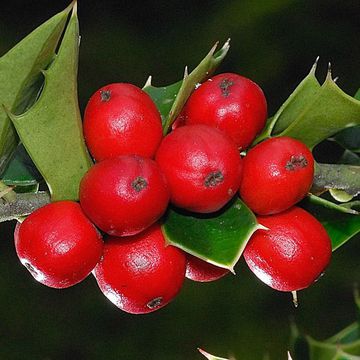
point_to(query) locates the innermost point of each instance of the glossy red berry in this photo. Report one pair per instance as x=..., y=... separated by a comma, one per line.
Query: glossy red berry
x=231, y=103
x=124, y=195
x=292, y=253
x=140, y=274
x=121, y=119
x=202, y=271
x=202, y=166
x=58, y=244
x=277, y=173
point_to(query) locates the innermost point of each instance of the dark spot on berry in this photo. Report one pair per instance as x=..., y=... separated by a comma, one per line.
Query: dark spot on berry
x=214, y=179
x=105, y=95
x=154, y=303
x=296, y=162
x=225, y=87
x=139, y=184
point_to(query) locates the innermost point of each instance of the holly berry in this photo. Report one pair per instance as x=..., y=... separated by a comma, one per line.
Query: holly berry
x=292, y=253
x=58, y=244
x=202, y=166
x=140, y=274
x=121, y=119
x=277, y=173
x=202, y=271
x=124, y=195
x=231, y=103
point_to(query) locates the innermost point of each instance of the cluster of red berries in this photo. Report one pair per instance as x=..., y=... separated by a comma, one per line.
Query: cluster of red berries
x=197, y=167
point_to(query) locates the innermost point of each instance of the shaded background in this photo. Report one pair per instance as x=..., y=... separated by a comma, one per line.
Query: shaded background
x=272, y=42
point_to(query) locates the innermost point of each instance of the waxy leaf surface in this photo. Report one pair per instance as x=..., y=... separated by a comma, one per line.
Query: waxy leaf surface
x=218, y=238
x=314, y=112
x=21, y=170
x=329, y=111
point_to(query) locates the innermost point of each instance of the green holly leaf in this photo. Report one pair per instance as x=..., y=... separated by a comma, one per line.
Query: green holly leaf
x=163, y=97
x=21, y=171
x=340, y=195
x=344, y=208
x=296, y=102
x=343, y=345
x=218, y=238
x=349, y=138
x=171, y=99
x=346, y=336
x=321, y=350
x=341, y=227
x=329, y=111
x=51, y=130
x=21, y=79
x=314, y=113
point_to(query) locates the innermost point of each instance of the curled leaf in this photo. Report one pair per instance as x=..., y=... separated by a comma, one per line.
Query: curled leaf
x=21, y=79
x=51, y=130
x=340, y=195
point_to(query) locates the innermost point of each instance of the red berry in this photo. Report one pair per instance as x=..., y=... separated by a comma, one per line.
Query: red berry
x=202, y=271
x=292, y=254
x=121, y=119
x=58, y=244
x=231, y=103
x=277, y=174
x=202, y=166
x=124, y=195
x=140, y=274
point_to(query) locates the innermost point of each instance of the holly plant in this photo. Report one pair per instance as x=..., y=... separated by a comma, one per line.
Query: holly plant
x=181, y=179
